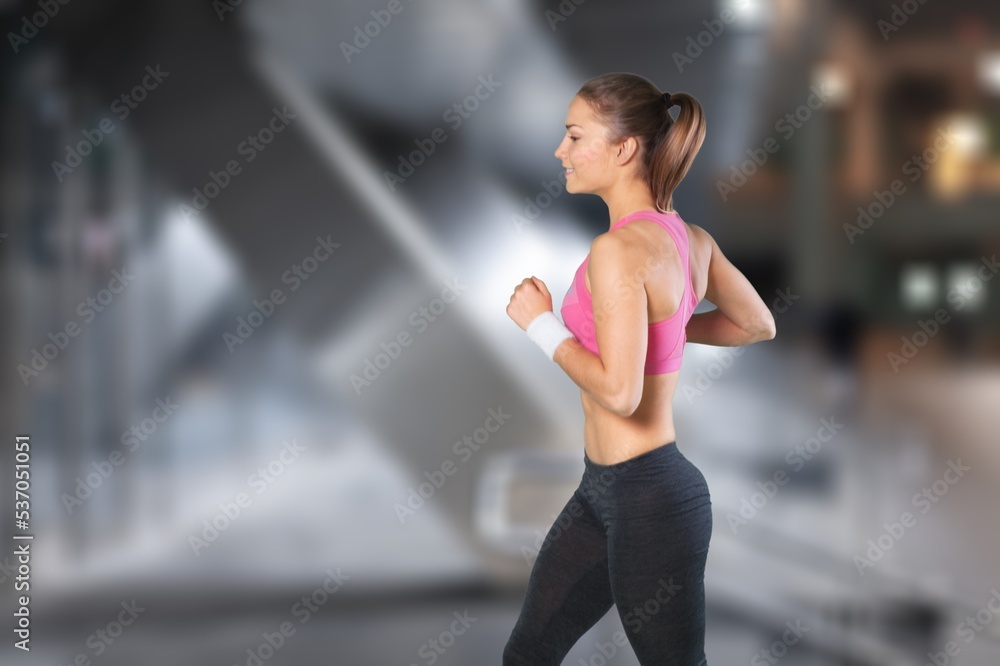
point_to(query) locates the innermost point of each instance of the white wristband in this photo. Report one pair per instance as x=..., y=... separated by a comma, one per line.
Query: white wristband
x=547, y=332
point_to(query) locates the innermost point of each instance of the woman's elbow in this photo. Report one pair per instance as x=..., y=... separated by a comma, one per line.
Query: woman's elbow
x=629, y=409
x=770, y=330
x=625, y=402
x=765, y=329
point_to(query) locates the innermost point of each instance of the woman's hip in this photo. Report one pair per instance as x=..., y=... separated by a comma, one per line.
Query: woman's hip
x=660, y=484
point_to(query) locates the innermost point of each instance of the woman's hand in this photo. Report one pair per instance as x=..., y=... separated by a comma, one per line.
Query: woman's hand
x=530, y=299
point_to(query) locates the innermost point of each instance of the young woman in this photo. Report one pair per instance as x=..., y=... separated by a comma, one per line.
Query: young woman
x=635, y=534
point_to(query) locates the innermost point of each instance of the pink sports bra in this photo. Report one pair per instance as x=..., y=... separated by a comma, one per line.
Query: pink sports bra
x=665, y=344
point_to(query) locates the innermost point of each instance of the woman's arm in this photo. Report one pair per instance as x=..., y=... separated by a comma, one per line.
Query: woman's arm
x=741, y=316
x=618, y=294
x=587, y=371
x=715, y=328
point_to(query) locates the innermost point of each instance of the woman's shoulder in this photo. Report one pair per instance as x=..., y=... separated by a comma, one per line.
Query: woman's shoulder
x=626, y=247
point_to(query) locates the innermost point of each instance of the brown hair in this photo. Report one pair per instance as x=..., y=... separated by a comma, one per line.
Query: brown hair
x=630, y=105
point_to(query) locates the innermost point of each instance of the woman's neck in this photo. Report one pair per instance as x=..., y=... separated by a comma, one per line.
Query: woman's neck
x=627, y=200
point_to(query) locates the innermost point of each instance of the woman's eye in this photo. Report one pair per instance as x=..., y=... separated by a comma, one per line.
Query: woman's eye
x=574, y=138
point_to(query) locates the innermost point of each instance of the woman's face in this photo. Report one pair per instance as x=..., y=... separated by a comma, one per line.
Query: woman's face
x=584, y=151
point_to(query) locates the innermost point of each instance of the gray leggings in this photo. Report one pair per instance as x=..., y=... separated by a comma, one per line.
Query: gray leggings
x=634, y=535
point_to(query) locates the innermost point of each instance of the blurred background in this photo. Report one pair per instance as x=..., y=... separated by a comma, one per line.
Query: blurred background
x=256, y=258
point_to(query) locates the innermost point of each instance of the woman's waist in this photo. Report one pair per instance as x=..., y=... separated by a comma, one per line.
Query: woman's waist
x=608, y=435
x=604, y=453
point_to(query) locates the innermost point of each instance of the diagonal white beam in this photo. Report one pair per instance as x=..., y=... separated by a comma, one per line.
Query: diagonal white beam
x=403, y=224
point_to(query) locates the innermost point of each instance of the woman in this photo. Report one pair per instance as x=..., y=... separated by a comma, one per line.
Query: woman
x=635, y=533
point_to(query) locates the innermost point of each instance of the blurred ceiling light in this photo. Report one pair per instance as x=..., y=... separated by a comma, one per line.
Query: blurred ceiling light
x=970, y=134
x=969, y=287
x=989, y=71
x=749, y=14
x=954, y=173
x=832, y=78
x=919, y=284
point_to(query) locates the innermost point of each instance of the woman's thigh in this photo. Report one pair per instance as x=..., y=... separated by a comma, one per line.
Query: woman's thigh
x=657, y=571
x=568, y=589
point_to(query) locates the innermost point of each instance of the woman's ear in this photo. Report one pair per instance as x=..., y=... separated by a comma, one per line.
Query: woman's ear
x=626, y=150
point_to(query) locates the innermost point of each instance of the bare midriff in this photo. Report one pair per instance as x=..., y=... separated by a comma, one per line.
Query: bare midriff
x=609, y=438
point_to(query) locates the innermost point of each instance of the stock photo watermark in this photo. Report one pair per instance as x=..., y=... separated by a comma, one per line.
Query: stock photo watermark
x=31, y=25
x=901, y=13
x=705, y=377
x=533, y=207
x=87, y=310
x=420, y=319
x=697, y=44
x=785, y=126
x=104, y=637
x=294, y=277
x=303, y=609
x=778, y=649
x=635, y=620
x=432, y=650
x=958, y=296
x=223, y=7
x=565, y=9
x=636, y=280
x=363, y=36
x=465, y=448
x=123, y=105
x=131, y=440
x=639, y=616
x=454, y=115
x=22, y=616
x=968, y=629
x=915, y=168
x=8, y=569
x=231, y=511
x=574, y=509
x=560, y=523
x=307, y=606
x=249, y=148
x=896, y=530
x=796, y=458
x=20, y=571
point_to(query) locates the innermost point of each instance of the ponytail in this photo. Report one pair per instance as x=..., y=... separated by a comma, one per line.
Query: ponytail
x=675, y=151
